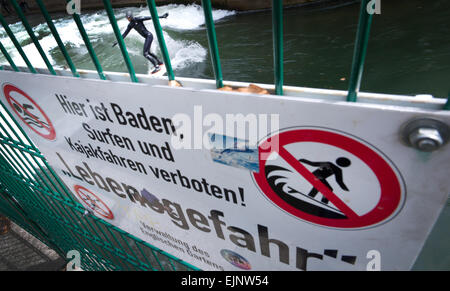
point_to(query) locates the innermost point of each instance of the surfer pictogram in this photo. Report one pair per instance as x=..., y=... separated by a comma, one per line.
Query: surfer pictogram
x=358, y=186
x=326, y=170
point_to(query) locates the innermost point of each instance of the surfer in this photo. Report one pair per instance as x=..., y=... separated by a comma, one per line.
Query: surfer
x=325, y=170
x=138, y=24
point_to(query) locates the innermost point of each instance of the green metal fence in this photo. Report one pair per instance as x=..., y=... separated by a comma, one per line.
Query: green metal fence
x=35, y=198
x=359, y=55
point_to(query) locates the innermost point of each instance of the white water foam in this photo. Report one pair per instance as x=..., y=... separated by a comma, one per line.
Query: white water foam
x=183, y=53
x=188, y=17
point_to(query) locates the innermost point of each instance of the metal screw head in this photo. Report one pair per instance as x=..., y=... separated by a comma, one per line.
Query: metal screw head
x=426, y=139
x=426, y=134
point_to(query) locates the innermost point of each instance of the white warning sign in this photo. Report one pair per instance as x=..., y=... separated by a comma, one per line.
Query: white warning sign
x=330, y=178
x=333, y=184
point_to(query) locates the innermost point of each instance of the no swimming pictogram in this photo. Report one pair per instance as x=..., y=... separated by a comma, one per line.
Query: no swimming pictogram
x=29, y=111
x=329, y=178
x=94, y=203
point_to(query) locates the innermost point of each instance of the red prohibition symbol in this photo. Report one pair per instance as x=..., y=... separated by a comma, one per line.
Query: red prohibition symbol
x=44, y=128
x=390, y=182
x=93, y=202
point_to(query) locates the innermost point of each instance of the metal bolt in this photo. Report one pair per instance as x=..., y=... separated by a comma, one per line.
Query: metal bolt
x=426, y=139
x=426, y=134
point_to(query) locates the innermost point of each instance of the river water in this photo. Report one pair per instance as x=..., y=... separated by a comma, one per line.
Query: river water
x=409, y=48
x=408, y=53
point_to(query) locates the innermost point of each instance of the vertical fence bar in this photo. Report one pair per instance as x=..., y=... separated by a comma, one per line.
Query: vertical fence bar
x=447, y=105
x=57, y=38
x=16, y=44
x=277, y=31
x=33, y=36
x=159, y=34
x=359, y=55
x=212, y=40
x=8, y=58
x=120, y=41
x=88, y=45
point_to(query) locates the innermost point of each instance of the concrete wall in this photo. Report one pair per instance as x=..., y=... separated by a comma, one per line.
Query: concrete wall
x=254, y=4
x=241, y=5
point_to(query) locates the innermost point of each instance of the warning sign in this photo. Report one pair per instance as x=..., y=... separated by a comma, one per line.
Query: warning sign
x=93, y=202
x=29, y=111
x=329, y=178
x=222, y=202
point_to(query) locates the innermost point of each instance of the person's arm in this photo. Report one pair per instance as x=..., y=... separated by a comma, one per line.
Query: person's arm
x=338, y=176
x=149, y=17
x=143, y=18
x=129, y=28
x=314, y=164
x=125, y=33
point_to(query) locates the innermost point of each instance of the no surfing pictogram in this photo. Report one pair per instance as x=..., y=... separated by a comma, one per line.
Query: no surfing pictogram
x=29, y=111
x=329, y=178
x=93, y=202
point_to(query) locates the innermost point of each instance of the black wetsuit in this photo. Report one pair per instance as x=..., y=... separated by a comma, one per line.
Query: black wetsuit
x=325, y=170
x=138, y=24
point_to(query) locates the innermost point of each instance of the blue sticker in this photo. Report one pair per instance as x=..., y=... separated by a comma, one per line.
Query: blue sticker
x=234, y=152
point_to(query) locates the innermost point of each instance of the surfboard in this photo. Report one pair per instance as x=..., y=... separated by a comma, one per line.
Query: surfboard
x=160, y=72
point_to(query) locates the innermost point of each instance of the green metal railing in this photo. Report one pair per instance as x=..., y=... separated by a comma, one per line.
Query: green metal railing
x=8, y=58
x=212, y=41
x=34, y=197
x=88, y=45
x=277, y=27
x=159, y=34
x=359, y=55
x=33, y=36
x=123, y=48
x=16, y=44
x=447, y=104
x=57, y=38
